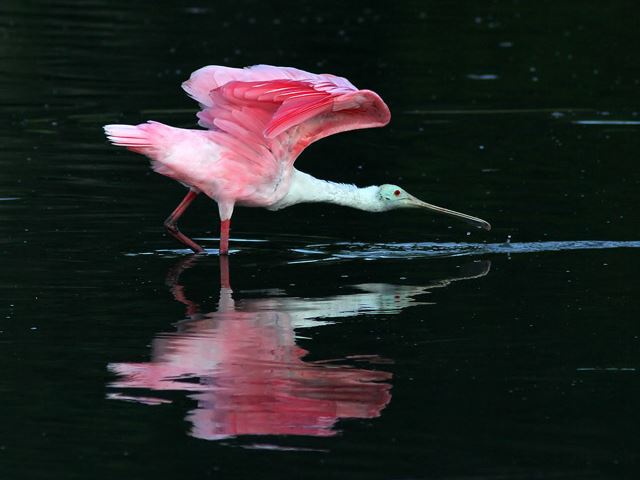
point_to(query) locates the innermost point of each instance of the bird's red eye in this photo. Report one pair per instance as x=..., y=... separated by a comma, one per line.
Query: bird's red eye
x=397, y=193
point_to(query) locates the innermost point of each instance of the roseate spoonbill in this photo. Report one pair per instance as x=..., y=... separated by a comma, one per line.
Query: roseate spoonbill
x=258, y=120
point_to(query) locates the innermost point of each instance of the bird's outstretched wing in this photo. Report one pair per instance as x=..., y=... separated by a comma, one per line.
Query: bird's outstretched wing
x=206, y=79
x=283, y=109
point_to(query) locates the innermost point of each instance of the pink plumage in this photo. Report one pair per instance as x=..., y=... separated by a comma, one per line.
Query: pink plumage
x=258, y=120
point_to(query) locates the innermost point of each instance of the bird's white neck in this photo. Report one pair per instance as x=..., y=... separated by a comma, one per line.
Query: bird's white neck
x=306, y=188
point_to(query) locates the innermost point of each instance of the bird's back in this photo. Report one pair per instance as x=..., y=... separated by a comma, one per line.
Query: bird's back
x=212, y=162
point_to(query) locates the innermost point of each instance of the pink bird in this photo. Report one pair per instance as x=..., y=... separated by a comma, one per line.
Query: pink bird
x=258, y=120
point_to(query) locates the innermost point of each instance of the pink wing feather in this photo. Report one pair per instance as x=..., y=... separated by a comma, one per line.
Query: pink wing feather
x=206, y=79
x=263, y=105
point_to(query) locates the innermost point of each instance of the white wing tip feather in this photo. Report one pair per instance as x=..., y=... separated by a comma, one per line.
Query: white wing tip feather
x=127, y=135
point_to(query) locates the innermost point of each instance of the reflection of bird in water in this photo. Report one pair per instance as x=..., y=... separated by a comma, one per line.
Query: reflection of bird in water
x=258, y=121
x=242, y=365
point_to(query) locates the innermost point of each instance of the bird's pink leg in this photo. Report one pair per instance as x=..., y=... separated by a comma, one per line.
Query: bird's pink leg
x=224, y=236
x=172, y=227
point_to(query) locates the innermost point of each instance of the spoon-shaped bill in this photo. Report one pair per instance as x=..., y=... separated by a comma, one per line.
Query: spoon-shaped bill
x=475, y=221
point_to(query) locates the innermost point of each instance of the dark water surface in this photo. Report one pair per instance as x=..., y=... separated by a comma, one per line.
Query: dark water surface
x=335, y=344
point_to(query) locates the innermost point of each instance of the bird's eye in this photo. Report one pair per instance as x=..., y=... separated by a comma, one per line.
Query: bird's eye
x=397, y=193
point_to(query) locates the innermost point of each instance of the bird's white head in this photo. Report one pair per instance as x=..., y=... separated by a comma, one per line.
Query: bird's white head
x=391, y=197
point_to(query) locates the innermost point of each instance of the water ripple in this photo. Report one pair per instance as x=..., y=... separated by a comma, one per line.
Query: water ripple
x=432, y=249
x=607, y=122
x=327, y=251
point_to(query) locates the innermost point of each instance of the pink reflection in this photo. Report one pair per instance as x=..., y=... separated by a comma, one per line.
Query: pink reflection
x=242, y=366
x=247, y=375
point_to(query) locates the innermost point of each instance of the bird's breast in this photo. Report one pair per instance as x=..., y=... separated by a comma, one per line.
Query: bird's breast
x=268, y=194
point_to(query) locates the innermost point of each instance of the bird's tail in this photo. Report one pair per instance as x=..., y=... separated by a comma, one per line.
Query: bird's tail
x=144, y=138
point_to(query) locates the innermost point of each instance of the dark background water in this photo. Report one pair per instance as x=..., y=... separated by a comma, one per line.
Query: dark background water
x=408, y=346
